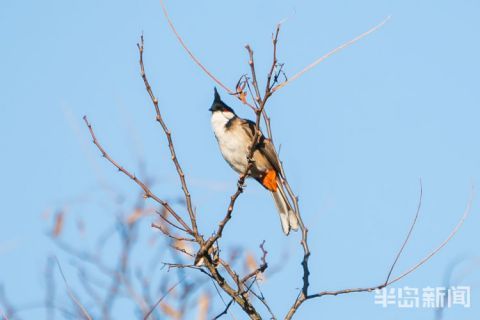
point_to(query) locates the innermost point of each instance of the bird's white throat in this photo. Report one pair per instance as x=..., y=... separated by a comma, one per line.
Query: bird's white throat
x=219, y=120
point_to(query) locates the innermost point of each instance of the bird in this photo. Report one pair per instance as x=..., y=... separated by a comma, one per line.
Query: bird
x=235, y=137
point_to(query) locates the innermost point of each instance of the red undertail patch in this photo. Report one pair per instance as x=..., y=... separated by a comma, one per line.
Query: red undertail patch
x=269, y=181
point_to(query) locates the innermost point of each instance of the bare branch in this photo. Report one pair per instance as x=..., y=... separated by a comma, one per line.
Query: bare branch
x=410, y=270
x=223, y=223
x=242, y=300
x=443, y=244
x=232, y=274
x=263, y=266
x=86, y=284
x=194, y=58
x=262, y=299
x=268, y=86
x=146, y=189
x=168, y=134
x=190, y=53
x=225, y=311
x=182, y=250
x=164, y=218
x=72, y=295
x=336, y=50
x=161, y=299
x=408, y=235
x=251, y=63
x=304, y=243
x=168, y=234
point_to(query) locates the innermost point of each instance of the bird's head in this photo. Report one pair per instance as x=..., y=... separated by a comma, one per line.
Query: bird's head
x=219, y=106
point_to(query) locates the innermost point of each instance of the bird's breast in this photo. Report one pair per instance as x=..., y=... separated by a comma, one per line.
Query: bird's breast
x=233, y=143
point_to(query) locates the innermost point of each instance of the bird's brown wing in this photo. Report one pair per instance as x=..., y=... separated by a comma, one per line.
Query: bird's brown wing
x=265, y=146
x=248, y=126
x=268, y=150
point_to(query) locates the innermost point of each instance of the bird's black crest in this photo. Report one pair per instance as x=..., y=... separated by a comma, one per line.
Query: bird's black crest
x=218, y=104
x=217, y=96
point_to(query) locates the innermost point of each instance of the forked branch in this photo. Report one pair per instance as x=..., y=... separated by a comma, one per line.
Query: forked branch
x=145, y=188
x=389, y=281
x=168, y=134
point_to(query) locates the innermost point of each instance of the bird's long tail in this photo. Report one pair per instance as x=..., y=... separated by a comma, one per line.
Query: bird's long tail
x=287, y=214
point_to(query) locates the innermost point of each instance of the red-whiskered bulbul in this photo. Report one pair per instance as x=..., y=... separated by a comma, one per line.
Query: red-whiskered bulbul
x=235, y=137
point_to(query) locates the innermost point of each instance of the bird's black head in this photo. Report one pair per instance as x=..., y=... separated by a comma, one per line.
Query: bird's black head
x=219, y=105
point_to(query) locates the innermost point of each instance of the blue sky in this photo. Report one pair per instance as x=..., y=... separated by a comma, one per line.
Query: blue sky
x=357, y=132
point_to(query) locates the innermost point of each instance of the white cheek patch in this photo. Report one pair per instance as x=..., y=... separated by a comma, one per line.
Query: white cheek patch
x=227, y=114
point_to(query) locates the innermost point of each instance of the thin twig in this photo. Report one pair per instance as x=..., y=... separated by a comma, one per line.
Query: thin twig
x=408, y=235
x=251, y=63
x=210, y=241
x=443, y=244
x=164, y=218
x=225, y=311
x=227, y=306
x=263, y=266
x=251, y=94
x=268, y=87
x=168, y=234
x=410, y=270
x=182, y=250
x=193, y=57
x=262, y=299
x=161, y=299
x=242, y=300
x=324, y=57
x=190, y=53
x=72, y=295
x=146, y=189
x=232, y=274
x=85, y=281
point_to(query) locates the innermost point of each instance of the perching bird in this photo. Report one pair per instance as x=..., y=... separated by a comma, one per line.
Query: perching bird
x=235, y=136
